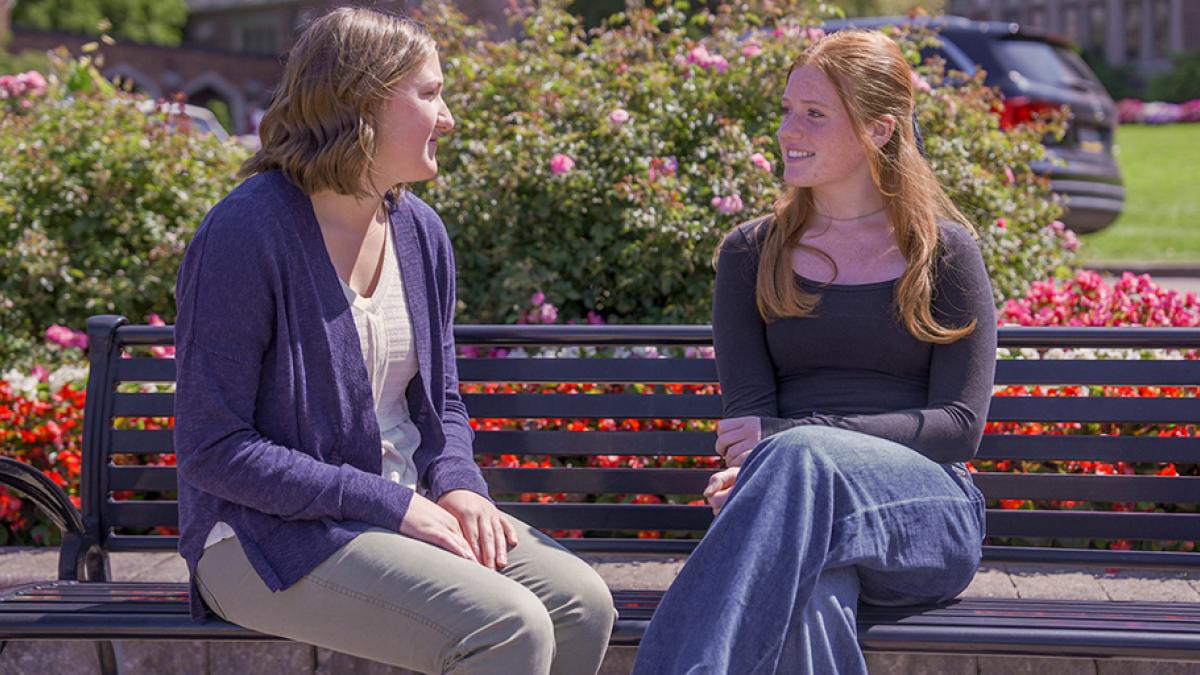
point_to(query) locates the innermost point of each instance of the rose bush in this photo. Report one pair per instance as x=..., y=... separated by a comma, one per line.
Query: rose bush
x=97, y=201
x=604, y=167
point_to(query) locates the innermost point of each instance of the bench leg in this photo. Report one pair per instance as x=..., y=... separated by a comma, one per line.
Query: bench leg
x=106, y=657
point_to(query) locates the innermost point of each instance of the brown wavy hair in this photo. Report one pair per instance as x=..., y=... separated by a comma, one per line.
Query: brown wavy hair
x=320, y=127
x=872, y=79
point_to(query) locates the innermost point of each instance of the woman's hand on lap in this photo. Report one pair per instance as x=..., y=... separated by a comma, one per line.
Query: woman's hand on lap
x=719, y=486
x=489, y=534
x=736, y=437
x=432, y=524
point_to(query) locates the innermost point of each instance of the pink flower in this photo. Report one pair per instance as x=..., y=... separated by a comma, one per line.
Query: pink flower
x=594, y=318
x=65, y=337
x=919, y=83
x=751, y=50
x=661, y=166
x=1070, y=241
x=1001, y=223
x=40, y=372
x=537, y=298
x=1009, y=177
x=549, y=313
x=728, y=205
x=618, y=116
x=560, y=164
x=155, y=320
x=707, y=60
x=757, y=159
x=813, y=33
x=33, y=82
x=1058, y=226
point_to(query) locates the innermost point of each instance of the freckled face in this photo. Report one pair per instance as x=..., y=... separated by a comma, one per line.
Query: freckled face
x=410, y=122
x=816, y=137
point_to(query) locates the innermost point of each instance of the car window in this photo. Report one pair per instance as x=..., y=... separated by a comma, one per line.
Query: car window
x=1042, y=62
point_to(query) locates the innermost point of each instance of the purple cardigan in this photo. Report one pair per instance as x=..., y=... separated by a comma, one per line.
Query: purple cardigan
x=275, y=429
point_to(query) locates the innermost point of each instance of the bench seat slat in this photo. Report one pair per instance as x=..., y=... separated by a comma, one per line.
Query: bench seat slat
x=1029, y=627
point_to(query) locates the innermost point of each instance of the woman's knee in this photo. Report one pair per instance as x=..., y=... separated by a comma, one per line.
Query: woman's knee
x=806, y=445
x=514, y=628
x=581, y=598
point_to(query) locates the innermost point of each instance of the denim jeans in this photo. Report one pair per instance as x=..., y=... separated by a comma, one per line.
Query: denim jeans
x=820, y=518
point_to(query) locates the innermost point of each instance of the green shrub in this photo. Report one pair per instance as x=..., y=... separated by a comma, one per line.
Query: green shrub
x=627, y=227
x=97, y=201
x=1179, y=84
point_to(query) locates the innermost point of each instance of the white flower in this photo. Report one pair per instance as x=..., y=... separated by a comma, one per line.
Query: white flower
x=67, y=374
x=25, y=385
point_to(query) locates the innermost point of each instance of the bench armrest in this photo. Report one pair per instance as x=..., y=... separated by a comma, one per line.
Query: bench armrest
x=49, y=498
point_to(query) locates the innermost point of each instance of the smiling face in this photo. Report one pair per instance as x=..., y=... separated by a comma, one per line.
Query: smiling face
x=816, y=137
x=409, y=125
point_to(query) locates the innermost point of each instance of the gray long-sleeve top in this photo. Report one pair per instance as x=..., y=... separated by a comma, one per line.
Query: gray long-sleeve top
x=852, y=364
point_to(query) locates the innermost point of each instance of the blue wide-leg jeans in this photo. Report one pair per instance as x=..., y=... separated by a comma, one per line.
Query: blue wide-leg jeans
x=820, y=518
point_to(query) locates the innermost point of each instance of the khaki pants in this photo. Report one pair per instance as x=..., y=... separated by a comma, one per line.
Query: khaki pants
x=400, y=601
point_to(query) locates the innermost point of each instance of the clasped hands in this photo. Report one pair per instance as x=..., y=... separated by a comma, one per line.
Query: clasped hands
x=736, y=437
x=465, y=524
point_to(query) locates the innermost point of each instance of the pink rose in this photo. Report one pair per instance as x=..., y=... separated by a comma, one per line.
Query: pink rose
x=1001, y=223
x=707, y=60
x=560, y=164
x=761, y=162
x=813, y=33
x=618, y=116
x=65, y=337
x=537, y=298
x=1009, y=177
x=39, y=371
x=919, y=83
x=728, y=205
x=1070, y=241
x=751, y=50
x=549, y=313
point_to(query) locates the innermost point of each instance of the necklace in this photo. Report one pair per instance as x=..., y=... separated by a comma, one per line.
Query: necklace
x=852, y=217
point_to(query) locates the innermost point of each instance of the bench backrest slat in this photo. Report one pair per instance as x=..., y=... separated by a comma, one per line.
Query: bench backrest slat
x=1125, y=410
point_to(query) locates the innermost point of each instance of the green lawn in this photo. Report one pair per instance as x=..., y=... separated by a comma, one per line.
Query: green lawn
x=1161, y=221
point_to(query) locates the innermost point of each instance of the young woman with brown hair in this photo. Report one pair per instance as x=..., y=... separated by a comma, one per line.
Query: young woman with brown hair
x=855, y=345
x=327, y=487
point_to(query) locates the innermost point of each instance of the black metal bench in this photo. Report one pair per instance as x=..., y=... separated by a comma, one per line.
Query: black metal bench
x=82, y=604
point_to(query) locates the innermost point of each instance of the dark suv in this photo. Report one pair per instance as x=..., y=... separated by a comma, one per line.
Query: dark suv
x=1036, y=72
